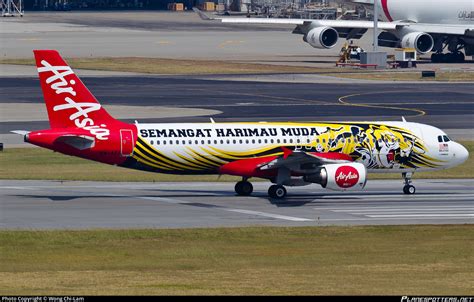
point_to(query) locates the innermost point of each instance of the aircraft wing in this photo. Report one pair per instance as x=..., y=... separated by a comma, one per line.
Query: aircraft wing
x=291, y=158
x=331, y=23
x=446, y=29
x=342, y=26
x=289, y=21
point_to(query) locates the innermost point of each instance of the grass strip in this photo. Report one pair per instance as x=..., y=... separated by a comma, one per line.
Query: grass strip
x=370, y=260
x=173, y=66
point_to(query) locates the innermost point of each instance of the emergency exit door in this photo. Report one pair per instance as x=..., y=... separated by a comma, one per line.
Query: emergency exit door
x=126, y=142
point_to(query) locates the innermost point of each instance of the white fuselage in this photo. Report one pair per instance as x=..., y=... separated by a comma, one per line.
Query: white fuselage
x=427, y=11
x=380, y=146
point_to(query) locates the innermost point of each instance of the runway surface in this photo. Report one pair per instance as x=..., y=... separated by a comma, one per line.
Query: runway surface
x=442, y=105
x=80, y=205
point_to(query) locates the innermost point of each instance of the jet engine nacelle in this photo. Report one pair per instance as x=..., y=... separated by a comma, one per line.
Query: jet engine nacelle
x=340, y=177
x=322, y=37
x=422, y=42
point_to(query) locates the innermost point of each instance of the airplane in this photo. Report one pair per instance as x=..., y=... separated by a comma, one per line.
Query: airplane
x=425, y=25
x=338, y=155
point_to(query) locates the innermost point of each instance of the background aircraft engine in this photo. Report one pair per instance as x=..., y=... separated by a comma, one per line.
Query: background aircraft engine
x=322, y=37
x=340, y=177
x=422, y=42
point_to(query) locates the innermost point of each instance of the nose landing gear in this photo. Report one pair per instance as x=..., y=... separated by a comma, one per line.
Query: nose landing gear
x=408, y=188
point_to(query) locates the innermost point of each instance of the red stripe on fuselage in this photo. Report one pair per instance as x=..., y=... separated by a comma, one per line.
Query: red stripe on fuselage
x=385, y=10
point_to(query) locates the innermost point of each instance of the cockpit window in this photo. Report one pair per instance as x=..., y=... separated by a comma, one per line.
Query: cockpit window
x=440, y=138
x=446, y=138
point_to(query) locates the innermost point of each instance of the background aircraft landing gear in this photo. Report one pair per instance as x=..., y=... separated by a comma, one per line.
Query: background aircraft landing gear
x=408, y=188
x=451, y=57
x=277, y=191
x=243, y=188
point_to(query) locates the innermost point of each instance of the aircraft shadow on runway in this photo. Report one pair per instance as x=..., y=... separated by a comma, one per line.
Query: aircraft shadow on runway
x=184, y=197
x=68, y=197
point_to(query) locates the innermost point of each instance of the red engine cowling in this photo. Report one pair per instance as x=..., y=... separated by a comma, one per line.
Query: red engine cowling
x=340, y=177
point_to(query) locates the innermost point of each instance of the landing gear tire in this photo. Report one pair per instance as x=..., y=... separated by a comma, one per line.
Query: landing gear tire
x=436, y=58
x=409, y=189
x=277, y=192
x=243, y=188
x=451, y=57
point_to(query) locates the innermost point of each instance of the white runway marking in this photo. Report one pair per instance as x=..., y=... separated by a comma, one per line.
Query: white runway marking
x=242, y=211
x=17, y=188
x=421, y=215
x=361, y=211
x=268, y=215
x=386, y=219
x=397, y=198
x=418, y=211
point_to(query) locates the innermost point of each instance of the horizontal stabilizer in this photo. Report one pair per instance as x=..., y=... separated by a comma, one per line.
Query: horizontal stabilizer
x=80, y=142
x=20, y=132
x=202, y=15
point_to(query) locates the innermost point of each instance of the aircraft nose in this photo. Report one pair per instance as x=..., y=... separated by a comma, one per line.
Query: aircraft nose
x=461, y=153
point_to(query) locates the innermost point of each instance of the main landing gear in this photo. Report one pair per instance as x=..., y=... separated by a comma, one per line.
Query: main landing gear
x=243, y=187
x=277, y=191
x=408, y=188
x=451, y=57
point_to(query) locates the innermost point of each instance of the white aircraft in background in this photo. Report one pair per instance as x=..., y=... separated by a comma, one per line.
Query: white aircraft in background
x=335, y=155
x=426, y=25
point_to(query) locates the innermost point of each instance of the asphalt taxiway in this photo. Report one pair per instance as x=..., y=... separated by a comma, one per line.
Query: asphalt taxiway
x=81, y=205
x=448, y=105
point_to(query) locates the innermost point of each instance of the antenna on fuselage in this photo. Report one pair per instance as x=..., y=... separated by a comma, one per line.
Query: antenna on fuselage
x=403, y=119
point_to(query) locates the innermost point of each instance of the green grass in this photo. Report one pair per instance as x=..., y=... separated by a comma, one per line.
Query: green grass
x=37, y=163
x=397, y=260
x=173, y=66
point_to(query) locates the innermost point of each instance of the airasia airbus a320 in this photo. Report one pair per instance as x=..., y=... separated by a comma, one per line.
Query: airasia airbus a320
x=337, y=156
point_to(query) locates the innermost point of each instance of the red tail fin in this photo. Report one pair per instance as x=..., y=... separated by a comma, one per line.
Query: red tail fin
x=69, y=102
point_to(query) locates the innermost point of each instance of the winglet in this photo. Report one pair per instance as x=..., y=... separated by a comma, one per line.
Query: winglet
x=286, y=152
x=202, y=15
